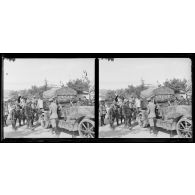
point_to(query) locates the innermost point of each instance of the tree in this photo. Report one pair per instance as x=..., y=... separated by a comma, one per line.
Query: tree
x=176, y=84
x=110, y=95
x=79, y=85
x=109, y=59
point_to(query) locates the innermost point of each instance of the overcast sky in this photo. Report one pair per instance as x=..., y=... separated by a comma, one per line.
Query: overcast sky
x=23, y=73
x=126, y=71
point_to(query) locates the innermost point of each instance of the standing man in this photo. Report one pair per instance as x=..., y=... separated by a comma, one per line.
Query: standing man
x=137, y=104
x=151, y=115
x=102, y=112
x=127, y=114
x=5, y=113
x=13, y=117
x=53, y=115
x=28, y=112
x=18, y=114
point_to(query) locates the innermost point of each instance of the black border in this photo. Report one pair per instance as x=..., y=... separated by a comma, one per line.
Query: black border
x=96, y=57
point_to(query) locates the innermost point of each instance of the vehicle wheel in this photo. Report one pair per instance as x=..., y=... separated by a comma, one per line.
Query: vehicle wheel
x=86, y=128
x=184, y=128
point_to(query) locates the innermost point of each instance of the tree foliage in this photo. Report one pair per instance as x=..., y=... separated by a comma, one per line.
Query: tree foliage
x=176, y=84
x=79, y=85
x=131, y=90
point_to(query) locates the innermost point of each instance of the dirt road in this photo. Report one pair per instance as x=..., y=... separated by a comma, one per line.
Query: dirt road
x=135, y=132
x=36, y=132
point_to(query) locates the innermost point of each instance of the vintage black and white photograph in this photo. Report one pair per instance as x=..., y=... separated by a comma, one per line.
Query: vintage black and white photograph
x=145, y=98
x=48, y=98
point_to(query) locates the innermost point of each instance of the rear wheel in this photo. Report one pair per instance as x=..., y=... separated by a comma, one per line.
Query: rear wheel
x=184, y=128
x=86, y=128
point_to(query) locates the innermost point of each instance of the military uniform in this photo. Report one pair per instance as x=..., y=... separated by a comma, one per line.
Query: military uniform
x=13, y=118
x=6, y=112
x=53, y=116
x=113, y=114
x=18, y=114
x=28, y=114
x=122, y=114
x=152, y=116
x=102, y=114
x=127, y=114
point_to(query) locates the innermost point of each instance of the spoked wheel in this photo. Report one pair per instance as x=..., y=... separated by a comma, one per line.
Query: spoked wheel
x=86, y=128
x=184, y=128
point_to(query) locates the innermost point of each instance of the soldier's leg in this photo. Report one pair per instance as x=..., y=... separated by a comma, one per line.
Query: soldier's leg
x=13, y=121
x=23, y=119
x=126, y=121
x=151, y=122
x=19, y=119
x=102, y=120
x=111, y=119
x=5, y=119
x=53, y=124
x=129, y=121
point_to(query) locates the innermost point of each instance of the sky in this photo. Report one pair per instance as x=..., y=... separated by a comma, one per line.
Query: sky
x=122, y=72
x=23, y=73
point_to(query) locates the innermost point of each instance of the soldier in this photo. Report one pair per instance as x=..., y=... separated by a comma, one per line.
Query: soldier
x=102, y=112
x=53, y=115
x=127, y=114
x=5, y=113
x=28, y=114
x=121, y=110
x=18, y=114
x=13, y=117
x=152, y=116
x=113, y=113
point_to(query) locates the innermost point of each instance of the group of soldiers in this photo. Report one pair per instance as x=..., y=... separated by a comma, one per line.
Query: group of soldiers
x=23, y=110
x=121, y=109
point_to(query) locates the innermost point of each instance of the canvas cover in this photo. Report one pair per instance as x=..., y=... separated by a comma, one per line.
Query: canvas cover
x=157, y=91
x=63, y=93
x=50, y=93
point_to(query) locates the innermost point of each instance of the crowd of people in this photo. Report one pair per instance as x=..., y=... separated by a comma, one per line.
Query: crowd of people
x=22, y=110
x=121, y=109
x=30, y=112
x=135, y=109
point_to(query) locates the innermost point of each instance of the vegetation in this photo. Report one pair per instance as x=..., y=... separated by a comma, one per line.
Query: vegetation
x=176, y=84
x=131, y=90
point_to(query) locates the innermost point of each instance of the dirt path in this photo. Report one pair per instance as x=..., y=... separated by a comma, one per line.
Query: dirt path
x=36, y=132
x=135, y=132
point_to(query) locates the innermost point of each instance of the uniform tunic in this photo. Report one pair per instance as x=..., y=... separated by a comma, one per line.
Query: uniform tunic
x=53, y=114
x=151, y=113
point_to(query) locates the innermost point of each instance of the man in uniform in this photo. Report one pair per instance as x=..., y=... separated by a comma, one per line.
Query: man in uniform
x=6, y=112
x=53, y=115
x=13, y=117
x=102, y=112
x=18, y=114
x=113, y=113
x=127, y=113
x=152, y=116
x=28, y=114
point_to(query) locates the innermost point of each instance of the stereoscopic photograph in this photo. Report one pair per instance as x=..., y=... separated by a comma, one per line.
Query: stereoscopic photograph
x=145, y=98
x=48, y=98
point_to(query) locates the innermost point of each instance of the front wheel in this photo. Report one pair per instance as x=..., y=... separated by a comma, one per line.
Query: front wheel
x=184, y=128
x=86, y=128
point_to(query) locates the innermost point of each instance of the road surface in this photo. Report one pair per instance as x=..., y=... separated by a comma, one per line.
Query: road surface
x=135, y=132
x=36, y=132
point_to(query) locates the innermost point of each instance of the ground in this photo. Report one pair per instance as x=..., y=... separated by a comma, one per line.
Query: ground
x=135, y=132
x=36, y=132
